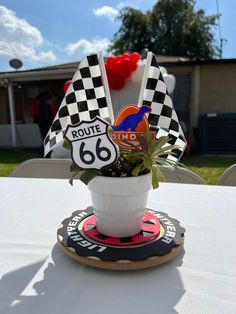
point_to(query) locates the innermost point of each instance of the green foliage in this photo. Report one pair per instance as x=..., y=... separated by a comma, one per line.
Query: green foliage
x=10, y=159
x=149, y=156
x=134, y=33
x=209, y=167
x=66, y=144
x=84, y=175
x=172, y=27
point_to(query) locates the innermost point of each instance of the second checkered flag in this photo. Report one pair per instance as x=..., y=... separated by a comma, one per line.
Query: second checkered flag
x=163, y=117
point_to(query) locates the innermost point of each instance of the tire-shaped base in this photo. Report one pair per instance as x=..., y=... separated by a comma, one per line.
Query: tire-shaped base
x=161, y=249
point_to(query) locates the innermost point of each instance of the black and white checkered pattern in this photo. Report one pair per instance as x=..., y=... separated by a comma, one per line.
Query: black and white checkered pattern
x=84, y=100
x=163, y=117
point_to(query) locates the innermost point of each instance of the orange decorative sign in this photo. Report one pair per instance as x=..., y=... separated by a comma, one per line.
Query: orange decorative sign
x=129, y=123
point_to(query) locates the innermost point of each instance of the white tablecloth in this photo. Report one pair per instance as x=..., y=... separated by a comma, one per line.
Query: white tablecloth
x=36, y=277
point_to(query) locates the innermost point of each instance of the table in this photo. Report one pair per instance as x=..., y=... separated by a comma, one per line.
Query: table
x=36, y=277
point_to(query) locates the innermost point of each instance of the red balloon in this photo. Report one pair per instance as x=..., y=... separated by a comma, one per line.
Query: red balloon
x=116, y=82
x=125, y=56
x=118, y=58
x=111, y=60
x=135, y=57
x=66, y=85
x=126, y=67
x=108, y=68
x=119, y=83
x=111, y=82
x=117, y=70
x=133, y=65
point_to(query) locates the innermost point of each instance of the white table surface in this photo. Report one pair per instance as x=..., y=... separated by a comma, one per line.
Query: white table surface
x=36, y=277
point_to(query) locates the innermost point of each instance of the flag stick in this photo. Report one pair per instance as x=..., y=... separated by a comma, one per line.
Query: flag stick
x=106, y=86
x=145, y=74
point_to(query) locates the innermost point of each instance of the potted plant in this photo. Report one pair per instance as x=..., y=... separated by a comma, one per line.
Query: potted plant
x=119, y=192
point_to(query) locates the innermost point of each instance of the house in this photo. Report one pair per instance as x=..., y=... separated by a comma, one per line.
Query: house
x=204, y=88
x=205, y=98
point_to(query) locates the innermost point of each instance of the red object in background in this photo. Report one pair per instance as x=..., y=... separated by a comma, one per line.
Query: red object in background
x=126, y=67
x=111, y=60
x=34, y=108
x=54, y=108
x=116, y=82
x=119, y=68
x=135, y=57
x=134, y=66
x=66, y=85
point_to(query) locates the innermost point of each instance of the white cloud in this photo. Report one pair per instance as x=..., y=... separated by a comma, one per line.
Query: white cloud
x=45, y=56
x=21, y=51
x=107, y=11
x=84, y=46
x=21, y=39
x=112, y=12
x=122, y=5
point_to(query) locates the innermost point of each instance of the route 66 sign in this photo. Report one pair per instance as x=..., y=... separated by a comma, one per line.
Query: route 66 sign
x=92, y=148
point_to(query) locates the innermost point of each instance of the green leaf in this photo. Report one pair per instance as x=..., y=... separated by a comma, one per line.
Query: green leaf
x=159, y=173
x=142, y=142
x=148, y=138
x=130, y=144
x=147, y=162
x=75, y=168
x=138, y=153
x=162, y=141
x=78, y=173
x=179, y=164
x=155, y=183
x=88, y=175
x=85, y=176
x=135, y=172
x=134, y=157
x=169, y=147
x=66, y=144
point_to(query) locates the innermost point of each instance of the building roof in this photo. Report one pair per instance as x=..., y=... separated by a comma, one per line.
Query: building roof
x=66, y=70
x=198, y=62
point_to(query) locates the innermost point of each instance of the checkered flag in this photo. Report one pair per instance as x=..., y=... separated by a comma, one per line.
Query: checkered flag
x=87, y=97
x=163, y=117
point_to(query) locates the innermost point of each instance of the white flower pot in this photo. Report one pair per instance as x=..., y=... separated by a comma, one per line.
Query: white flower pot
x=119, y=204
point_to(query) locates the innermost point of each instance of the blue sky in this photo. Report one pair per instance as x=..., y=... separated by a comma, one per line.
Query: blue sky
x=44, y=32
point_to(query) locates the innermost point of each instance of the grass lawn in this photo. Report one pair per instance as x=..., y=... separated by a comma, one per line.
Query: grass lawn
x=208, y=167
x=9, y=159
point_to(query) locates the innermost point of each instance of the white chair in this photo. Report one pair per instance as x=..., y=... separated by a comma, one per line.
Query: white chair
x=181, y=175
x=43, y=168
x=228, y=177
x=60, y=169
x=60, y=152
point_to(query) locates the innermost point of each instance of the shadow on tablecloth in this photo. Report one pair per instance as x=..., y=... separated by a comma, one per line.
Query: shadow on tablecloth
x=59, y=285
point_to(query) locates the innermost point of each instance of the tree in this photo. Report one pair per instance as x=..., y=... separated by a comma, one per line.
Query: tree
x=134, y=31
x=172, y=27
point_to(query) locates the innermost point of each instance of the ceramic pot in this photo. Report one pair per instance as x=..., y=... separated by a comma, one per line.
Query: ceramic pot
x=119, y=203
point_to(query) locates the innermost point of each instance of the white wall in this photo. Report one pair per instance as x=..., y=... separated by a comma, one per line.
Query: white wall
x=28, y=135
